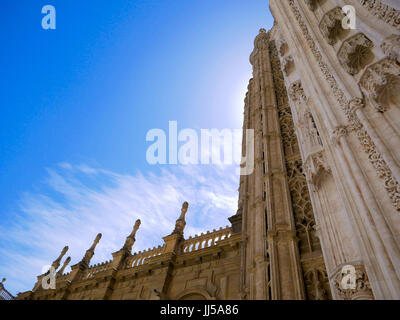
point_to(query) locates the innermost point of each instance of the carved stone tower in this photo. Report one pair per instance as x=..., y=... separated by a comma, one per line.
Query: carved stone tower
x=282, y=255
x=319, y=216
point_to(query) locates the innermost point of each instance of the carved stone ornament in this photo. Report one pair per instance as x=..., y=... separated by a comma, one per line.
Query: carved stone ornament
x=383, y=171
x=355, y=53
x=338, y=133
x=391, y=47
x=296, y=92
x=288, y=65
x=315, y=167
x=380, y=84
x=312, y=4
x=283, y=48
x=351, y=283
x=331, y=25
x=383, y=11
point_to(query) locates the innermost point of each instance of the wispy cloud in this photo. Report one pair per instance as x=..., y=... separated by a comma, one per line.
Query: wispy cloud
x=78, y=201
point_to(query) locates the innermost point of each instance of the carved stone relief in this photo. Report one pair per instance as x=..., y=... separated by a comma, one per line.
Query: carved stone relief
x=383, y=11
x=352, y=284
x=355, y=53
x=331, y=25
x=380, y=84
x=391, y=47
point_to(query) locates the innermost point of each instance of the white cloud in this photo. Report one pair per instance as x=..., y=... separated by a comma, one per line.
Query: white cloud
x=77, y=202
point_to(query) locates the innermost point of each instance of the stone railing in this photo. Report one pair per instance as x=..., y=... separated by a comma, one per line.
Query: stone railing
x=142, y=257
x=64, y=276
x=206, y=240
x=104, y=266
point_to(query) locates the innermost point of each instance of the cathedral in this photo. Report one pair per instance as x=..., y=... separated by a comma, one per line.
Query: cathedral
x=319, y=217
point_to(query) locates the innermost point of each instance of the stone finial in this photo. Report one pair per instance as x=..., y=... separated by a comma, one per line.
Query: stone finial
x=90, y=252
x=96, y=241
x=181, y=223
x=184, y=209
x=130, y=240
x=262, y=30
x=56, y=263
x=66, y=262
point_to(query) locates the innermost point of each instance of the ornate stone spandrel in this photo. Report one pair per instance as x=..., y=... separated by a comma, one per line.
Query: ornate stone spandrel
x=355, y=53
x=380, y=84
x=331, y=25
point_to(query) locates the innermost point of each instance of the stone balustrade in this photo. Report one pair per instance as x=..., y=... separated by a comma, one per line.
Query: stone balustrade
x=104, y=266
x=206, y=240
x=64, y=276
x=142, y=257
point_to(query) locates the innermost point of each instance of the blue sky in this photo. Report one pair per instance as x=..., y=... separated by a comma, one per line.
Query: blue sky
x=77, y=102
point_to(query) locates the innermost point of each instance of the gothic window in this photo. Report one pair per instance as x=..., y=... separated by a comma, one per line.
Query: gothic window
x=289, y=138
x=317, y=284
x=301, y=203
x=302, y=208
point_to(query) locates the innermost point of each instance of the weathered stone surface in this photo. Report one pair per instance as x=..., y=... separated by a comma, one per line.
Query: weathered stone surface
x=324, y=198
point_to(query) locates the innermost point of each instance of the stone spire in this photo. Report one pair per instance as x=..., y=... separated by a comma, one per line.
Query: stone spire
x=130, y=240
x=181, y=223
x=56, y=263
x=66, y=262
x=90, y=252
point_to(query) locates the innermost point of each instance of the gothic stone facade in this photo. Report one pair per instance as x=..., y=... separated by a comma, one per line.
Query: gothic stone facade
x=324, y=105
